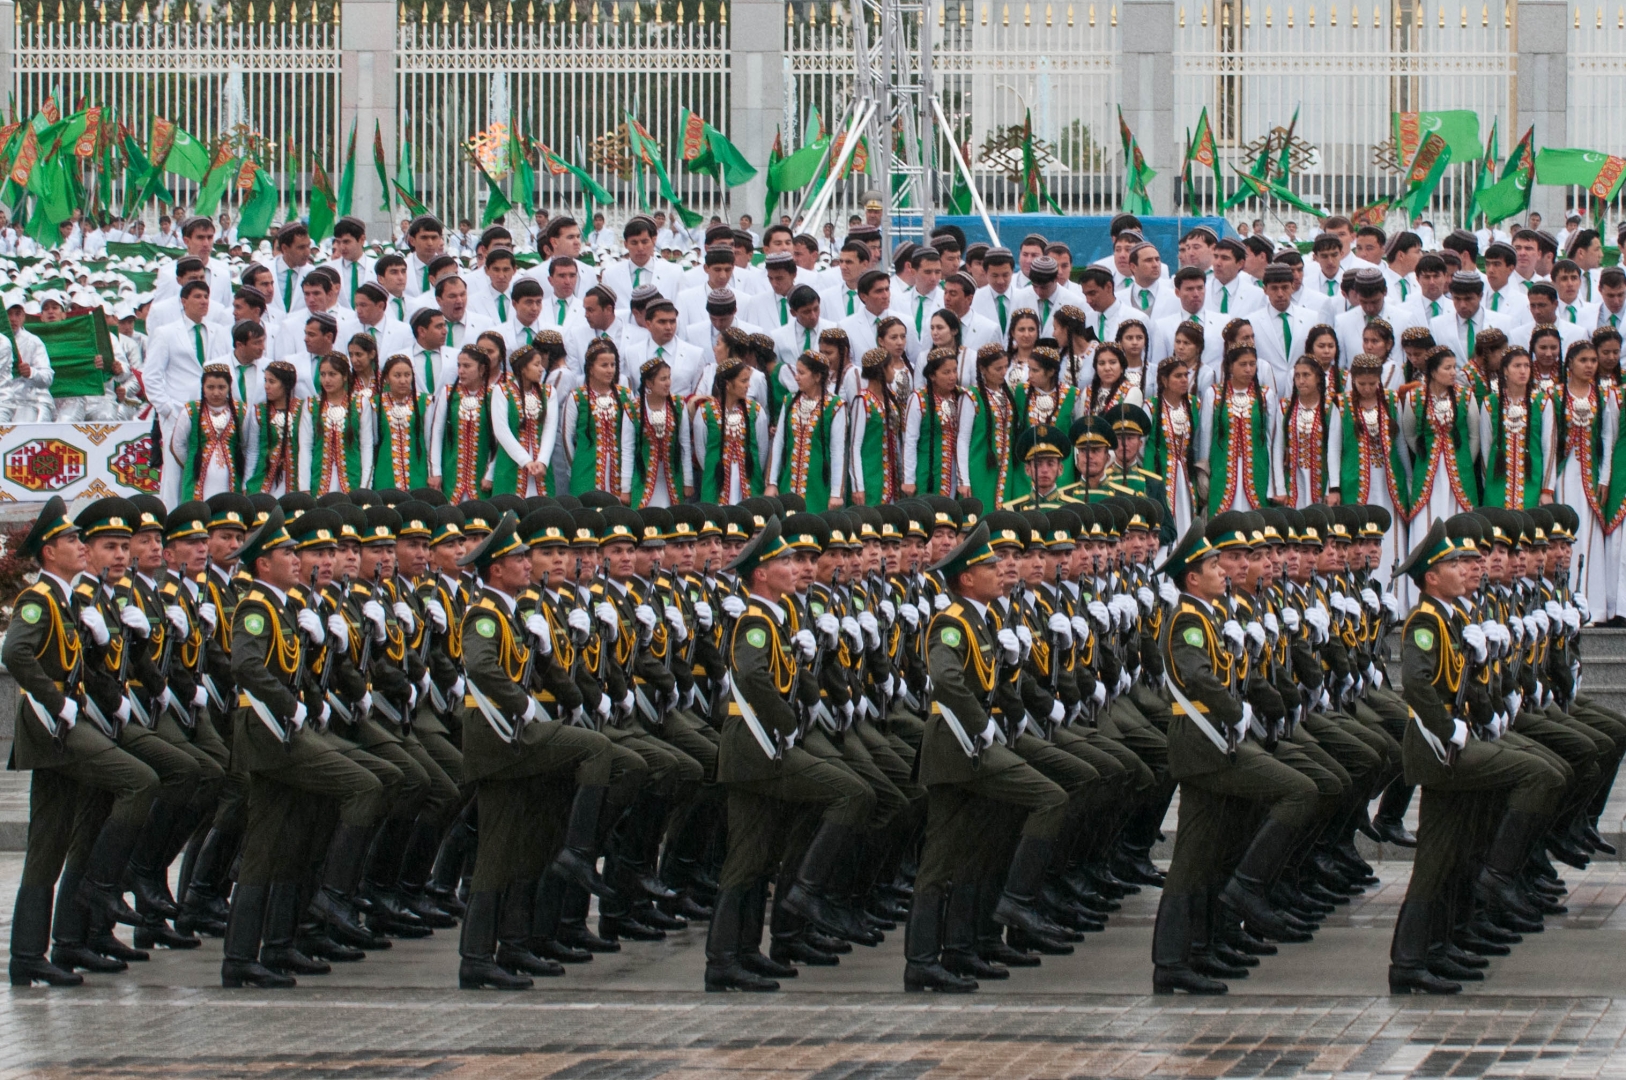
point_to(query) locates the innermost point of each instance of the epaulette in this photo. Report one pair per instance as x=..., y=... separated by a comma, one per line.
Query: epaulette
x=85, y=589
x=954, y=609
x=169, y=587
x=596, y=589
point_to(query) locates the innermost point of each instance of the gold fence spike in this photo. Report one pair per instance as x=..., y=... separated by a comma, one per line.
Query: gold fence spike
x=1182, y=16
x=1247, y=17
x=1048, y=20
x=1005, y=15
x=1267, y=17
x=1069, y=14
x=1205, y=15
x=1027, y=14
x=1114, y=15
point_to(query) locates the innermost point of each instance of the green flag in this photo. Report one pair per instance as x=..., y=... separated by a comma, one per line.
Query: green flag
x=53, y=188
x=260, y=206
x=1600, y=173
x=497, y=203
x=187, y=157
x=1424, y=173
x=1510, y=195
x=705, y=149
x=378, y=164
x=164, y=135
x=410, y=201
x=222, y=172
x=1458, y=127
x=591, y=189
x=1284, y=159
x=1252, y=185
x=74, y=345
x=1034, y=194
x=1485, y=177
x=519, y=163
x=1205, y=152
x=1137, y=174
x=323, y=203
x=776, y=154
x=646, y=153
x=404, y=183
x=347, y=178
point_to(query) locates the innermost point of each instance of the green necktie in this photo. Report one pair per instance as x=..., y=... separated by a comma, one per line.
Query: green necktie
x=1287, y=336
x=1101, y=327
x=1146, y=300
x=1044, y=313
x=502, y=308
x=999, y=301
x=1470, y=338
x=429, y=370
x=242, y=390
x=355, y=269
x=660, y=352
x=1614, y=322
x=528, y=335
x=197, y=343
x=1225, y=299
x=1194, y=319
x=426, y=279
x=1330, y=285
x=1587, y=278
x=920, y=309
x=1571, y=309
x=807, y=340
x=1404, y=289
x=1433, y=308
x=372, y=332
x=562, y=306
x=851, y=293
x=400, y=309
x=1496, y=301
x=1128, y=281
x=784, y=316
x=635, y=272
x=288, y=293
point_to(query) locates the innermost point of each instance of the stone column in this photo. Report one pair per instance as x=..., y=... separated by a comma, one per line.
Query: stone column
x=367, y=94
x=756, y=93
x=1542, y=98
x=1148, y=93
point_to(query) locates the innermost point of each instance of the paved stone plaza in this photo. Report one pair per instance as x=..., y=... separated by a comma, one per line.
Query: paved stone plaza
x=1555, y=1008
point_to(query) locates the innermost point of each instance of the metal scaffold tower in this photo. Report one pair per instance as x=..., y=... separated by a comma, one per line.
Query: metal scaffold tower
x=896, y=108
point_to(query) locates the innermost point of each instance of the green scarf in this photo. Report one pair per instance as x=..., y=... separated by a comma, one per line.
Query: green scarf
x=983, y=462
x=417, y=454
x=1219, y=453
x=817, y=483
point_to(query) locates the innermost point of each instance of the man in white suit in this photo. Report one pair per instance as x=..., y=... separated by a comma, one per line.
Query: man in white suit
x=1279, y=328
x=721, y=313
x=1541, y=309
x=684, y=358
x=1190, y=292
x=1469, y=317
x=999, y=299
x=1372, y=301
x=807, y=322
x=875, y=304
x=173, y=373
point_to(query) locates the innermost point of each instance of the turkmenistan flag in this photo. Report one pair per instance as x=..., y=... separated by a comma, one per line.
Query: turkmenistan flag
x=222, y=171
x=1600, y=173
x=1510, y=195
x=1269, y=189
x=646, y=153
x=378, y=164
x=1486, y=175
x=323, y=203
x=1137, y=174
x=705, y=149
x=347, y=178
x=1424, y=174
x=74, y=346
x=188, y=157
x=258, y=208
x=1458, y=127
x=497, y=203
x=592, y=190
x=1034, y=194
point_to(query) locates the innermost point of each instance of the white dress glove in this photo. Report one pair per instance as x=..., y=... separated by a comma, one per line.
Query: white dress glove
x=1147, y=600
x=1011, y=646
x=1057, y=712
x=136, y=619
x=940, y=601
x=200, y=697
x=1099, y=615
x=311, y=624
x=537, y=626
x=703, y=616
x=1370, y=599
x=1340, y=603
x=1459, y=733
x=733, y=606
x=805, y=645
x=1555, y=612
x=603, y=707
x=1474, y=638
x=1272, y=627
x=607, y=615
x=1128, y=611
x=404, y=613
x=1062, y=627
x=1290, y=620
x=910, y=614
x=889, y=612
x=854, y=632
x=122, y=713
x=580, y=623
x=645, y=616
x=177, y=618
x=674, y=619
x=1099, y=694
x=1124, y=681
x=1256, y=634
x=1025, y=636
x=70, y=713
x=1243, y=724
x=830, y=627
x=988, y=735
x=91, y=619
x=1081, y=628
x=340, y=630
x=298, y=719
x=437, y=615
x=530, y=709
x=374, y=613
x=1572, y=617
x=871, y=628
x=1319, y=622
x=1583, y=607
x=1391, y=604
x=1168, y=593
x=1543, y=623
x=1515, y=629
x=206, y=612
x=1234, y=634
x=1514, y=701
x=457, y=689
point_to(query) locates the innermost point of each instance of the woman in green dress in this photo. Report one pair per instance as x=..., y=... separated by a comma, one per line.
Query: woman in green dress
x=875, y=432
x=596, y=424
x=1364, y=435
x=1171, y=448
x=210, y=441
x=464, y=445
x=404, y=419
x=1516, y=430
x=525, y=423
x=271, y=438
x=810, y=439
x=930, y=428
x=987, y=434
x=1023, y=339
x=335, y=438
x=660, y=441
x=1041, y=401
x=1439, y=430
x=729, y=435
x=1238, y=427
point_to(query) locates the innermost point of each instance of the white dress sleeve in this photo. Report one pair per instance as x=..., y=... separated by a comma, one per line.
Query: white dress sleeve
x=568, y=423
x=911, y=437
x=1278, y=451
x=1205, y=426
x=1549, y=433
x=629, y=447
x=251, y=442
x=777, y=457
x=697, y=450
x=962, y=436
x=1273, y=438
x=550, y=430
x=303, y=466
x=367, y=454
x=860, y=420
x=1611, y=433
x=1335, y=450
x=180, y=438
x=503, y=429
x=838, y=450
x=437, y=431
x=762, y=444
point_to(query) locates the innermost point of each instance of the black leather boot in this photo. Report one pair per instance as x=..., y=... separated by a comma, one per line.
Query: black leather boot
x=1390, y=825
x=30, y=934
x=99, y=890
x=546, y=915
x=723, y=968
x=1018, y=905
x=1408, y=954
x=281, y=921
x=209, y=867
x=960, y=937
x=1496, y=883
x=1171, y=949
x=479, y=968
x=389, y=910
x=448, y=867
x=156, y=933
x=750, y=950
x=514, y=933
x=340, y=875
x=1205, y=959
x=578, y=859
x=808, y=895
x=1247, y=893
x=70, y=930
x=240, y=965
x=148, y=865
x=573, y=930
x=923, y=947
x=417, y=862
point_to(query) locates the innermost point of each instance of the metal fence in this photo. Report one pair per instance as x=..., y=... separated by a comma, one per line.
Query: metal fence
x=1597, y=92
x=276, y=82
